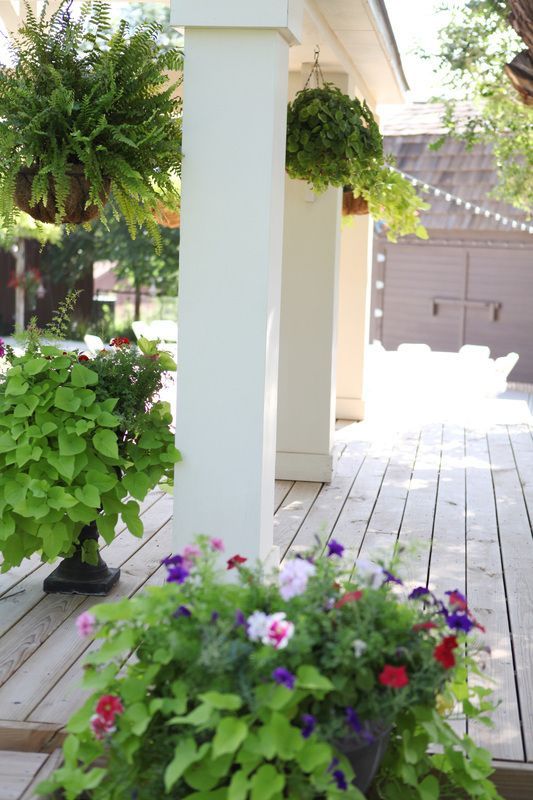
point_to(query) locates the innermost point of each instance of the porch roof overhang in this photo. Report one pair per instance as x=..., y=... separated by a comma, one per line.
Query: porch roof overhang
x=356, y=37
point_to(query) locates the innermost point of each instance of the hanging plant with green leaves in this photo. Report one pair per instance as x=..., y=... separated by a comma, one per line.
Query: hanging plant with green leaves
x=89, y=116
x=334, y=140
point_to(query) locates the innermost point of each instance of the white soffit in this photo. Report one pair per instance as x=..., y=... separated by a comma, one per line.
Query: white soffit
x=354, y=36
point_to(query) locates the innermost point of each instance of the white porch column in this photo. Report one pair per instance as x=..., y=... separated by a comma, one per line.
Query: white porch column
x=354, y=316
x=306, y=404
x=234, y=127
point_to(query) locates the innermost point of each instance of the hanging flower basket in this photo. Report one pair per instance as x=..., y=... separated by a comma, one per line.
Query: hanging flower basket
x=353, y=205
x=78, y=209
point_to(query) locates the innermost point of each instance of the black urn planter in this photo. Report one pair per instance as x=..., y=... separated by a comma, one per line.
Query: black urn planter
x=365, y=757
x=74, y=576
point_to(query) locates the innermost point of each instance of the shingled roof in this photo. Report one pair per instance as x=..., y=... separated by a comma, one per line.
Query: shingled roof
x=468, y=174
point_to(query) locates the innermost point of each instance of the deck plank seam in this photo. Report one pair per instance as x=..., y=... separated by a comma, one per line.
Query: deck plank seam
x=434, y=521
x=520, y=481
x=290, y=544
x=507, y=608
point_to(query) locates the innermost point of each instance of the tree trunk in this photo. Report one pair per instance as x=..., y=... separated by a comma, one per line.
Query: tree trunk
x=520, y=69
x=20, y=290
x=137, y=310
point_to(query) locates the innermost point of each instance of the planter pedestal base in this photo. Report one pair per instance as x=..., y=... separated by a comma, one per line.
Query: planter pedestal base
x=74, y=576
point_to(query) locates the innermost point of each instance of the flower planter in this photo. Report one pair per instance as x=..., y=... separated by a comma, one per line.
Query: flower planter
x=76, y=209
x=74, y=576
x=365, y=757
x=167, y=217
x=352, y=205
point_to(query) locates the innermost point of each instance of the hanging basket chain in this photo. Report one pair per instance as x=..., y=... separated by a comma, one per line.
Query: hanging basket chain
x=316, y=70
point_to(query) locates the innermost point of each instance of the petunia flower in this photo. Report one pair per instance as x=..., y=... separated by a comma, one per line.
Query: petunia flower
x=240, y=619
x=2, y=348
x=177, y=574
x=308, y=726
x=100, y=727
x=108, y=706
x=395, y=677
x=349, y=597
x=340, y=779
x=283, y=677
x=419, y=591
x=182, y=611
x=455, y=598
x=85, y=624
x=359, y=647
x=294, y=576
x=235, y=561
x=217, y=544
x=444, y=652
x=371, y=573
x=214, y=616
x=172, y=561
x=119, y=341
x=278, y=631
x=390, y=578
x=335, y=548
x=256, y=626
x=353, y=721
x=190, y=553
x=425, y=626
x=459, y=622
x=83, y=357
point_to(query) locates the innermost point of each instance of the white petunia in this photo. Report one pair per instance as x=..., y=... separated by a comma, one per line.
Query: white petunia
x=256, y=626
x=372, y=574
x=294, y=576
x=359, y=647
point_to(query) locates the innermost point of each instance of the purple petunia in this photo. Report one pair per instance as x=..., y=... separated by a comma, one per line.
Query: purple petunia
x=214, y=616
x=240, y=619
x=177, y=574
x=172, y=561
x=283, y=677
x=2, y=348
x=420, y=591
x=182, y=611
x=390, y=578
x=352, y=718
x=335, y=548
x=459, y=622
x=309, y=724
x=340, y=779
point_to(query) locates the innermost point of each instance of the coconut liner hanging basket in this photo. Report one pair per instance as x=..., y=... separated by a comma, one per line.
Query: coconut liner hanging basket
x=77, y=207
x=353, y=205
x=167, y=217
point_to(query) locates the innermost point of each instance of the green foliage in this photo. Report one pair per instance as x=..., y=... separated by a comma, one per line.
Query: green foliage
x=334, y=140
x=329, y=135
x=25, y=227
x=203, y=716
x=75, y=438
x=472, y=69
x=80, y=93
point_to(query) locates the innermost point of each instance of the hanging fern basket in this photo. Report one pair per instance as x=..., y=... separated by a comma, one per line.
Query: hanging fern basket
x=353, y=205
x=167, y=217
x=78, y=209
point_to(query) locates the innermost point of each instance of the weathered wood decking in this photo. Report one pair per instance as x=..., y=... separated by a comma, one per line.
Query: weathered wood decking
x=458, y=499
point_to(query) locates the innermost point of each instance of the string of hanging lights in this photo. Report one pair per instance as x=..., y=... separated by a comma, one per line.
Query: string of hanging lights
x=474, y=208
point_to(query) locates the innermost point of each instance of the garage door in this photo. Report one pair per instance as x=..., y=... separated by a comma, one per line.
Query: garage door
x=450, y=296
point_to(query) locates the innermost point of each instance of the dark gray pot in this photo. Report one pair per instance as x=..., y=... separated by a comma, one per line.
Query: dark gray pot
x=365, y=757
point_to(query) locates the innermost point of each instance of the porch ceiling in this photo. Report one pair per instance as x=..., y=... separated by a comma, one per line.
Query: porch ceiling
x=355, y=36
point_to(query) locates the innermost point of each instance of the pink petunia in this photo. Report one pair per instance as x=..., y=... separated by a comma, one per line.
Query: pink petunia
x=217, y=544
x=85, y=624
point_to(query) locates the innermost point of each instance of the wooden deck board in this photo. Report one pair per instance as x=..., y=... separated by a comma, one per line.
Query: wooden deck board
x=459, y=503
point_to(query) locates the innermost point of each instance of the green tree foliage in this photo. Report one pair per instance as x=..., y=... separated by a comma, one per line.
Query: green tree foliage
x=474, y=47
x=136, y=261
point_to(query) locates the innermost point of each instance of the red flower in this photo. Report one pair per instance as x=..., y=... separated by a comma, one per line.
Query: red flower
x=425, y=626
x=108, y=707
x=118, y=341
x=234, y=561
x=444, y=652
x=83, y=357
x=395, y=677
x=457, y=600
x=349, y=597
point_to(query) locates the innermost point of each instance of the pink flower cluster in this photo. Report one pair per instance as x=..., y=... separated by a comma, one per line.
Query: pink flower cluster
x=107, y=709
x=85, y=624
x=294, y=576
x=270, y=629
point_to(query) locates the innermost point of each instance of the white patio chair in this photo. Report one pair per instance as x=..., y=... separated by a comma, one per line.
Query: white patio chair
x=93, y=343
x=474, y=351
x=166, y=330
x=142, y=329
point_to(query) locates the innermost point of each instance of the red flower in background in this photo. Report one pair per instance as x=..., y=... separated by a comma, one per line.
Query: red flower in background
x=395, y=677
x=444, y=652
x=425, y=626
x=234, y=561
x=119, y=341
x=83, y=357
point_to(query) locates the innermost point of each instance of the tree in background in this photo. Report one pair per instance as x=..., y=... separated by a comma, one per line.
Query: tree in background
x=475, y=48
x=136, y=260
